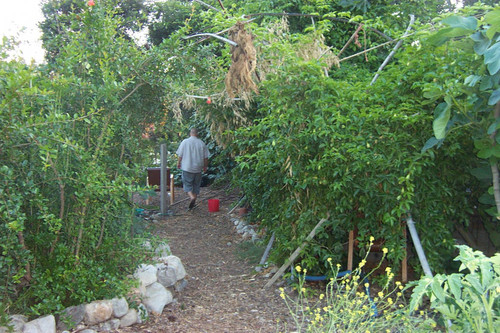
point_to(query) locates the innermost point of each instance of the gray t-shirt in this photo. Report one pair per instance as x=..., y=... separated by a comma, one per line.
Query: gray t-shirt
x=193, y=152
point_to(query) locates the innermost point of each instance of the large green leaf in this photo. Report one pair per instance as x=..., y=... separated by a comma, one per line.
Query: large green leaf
x=493, y=19
x=492, y=58
x=495, y=97
x=455, y=283
x=482, y=173
x=481, y=42
x=438, y=290
x=443, y=116
x=467, y=23
x=445, y=34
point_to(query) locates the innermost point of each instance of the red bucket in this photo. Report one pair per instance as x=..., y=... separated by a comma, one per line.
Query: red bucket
x=213, y=205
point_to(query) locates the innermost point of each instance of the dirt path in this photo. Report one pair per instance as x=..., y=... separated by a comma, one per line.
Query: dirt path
x=224, y=293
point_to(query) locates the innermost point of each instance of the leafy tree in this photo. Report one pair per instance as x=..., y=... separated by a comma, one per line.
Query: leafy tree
x=71, y=155
x=63, y=16
x=467, y=93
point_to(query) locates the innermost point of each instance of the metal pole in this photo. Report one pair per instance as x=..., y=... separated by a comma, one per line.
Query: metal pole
x=266, y=254
x=163, y=179
x=418, y=246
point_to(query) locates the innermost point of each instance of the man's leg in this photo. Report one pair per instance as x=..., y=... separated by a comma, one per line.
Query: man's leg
x=196, y=189
x=188, y=180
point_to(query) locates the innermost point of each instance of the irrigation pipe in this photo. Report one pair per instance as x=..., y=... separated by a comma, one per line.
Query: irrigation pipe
x=418, y=246
x=421, y=254
x=266, y=254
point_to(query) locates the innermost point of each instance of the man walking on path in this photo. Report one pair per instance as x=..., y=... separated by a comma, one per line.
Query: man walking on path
x=193, y=158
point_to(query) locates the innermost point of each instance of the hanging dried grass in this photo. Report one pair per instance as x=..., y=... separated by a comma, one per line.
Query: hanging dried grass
x=243, y=62
x=316, y=49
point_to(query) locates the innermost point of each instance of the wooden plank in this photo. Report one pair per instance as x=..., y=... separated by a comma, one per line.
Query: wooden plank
x=295, y=253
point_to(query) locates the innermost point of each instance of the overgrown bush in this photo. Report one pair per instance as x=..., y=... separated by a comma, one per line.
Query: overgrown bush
x=69, y=157
x=324, y=145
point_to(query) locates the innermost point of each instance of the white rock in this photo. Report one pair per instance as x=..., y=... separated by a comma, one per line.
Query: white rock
x=87, y=330
x=98, y=312
x=166, y=275
x=180, y=285
x=71, y=317
x=17, y=322
x=157, y=296
x=110, y=325
x=120, y=307
x=146, y=274
x=142, y=313
x=130, y=318
x=163, y=250
x=45, y=324
x=175, y=262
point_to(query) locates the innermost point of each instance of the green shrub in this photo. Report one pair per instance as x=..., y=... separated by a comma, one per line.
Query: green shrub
x=469, y=300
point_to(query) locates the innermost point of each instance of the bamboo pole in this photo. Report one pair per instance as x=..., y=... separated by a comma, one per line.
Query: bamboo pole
x=396, y=47
x=295, y=253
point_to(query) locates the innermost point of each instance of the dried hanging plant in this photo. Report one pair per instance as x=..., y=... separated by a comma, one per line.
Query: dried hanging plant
x=243, y=62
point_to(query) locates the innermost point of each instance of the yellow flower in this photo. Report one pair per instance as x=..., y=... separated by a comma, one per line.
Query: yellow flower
x=329, y=259
x=372, y=238
x=399, y=294
x=338, y=265
x=305, y=270
x=389, y=300
x=303, y=290
x=282, y=295
x=298, y=268
x=385, y=250
x=362, y=263
x=388, y=269
x=321, y=296
x=398, y=283
x=380, y=294
x=367, y=285
x=282, y=289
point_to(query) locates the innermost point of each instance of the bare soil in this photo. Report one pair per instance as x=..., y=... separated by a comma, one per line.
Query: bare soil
x=224, y=293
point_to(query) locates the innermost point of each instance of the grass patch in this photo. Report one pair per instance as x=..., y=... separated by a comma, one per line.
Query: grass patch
x=250, y=252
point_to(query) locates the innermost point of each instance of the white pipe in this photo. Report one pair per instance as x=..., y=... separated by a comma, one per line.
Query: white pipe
x=418, y=246
x=421, y=254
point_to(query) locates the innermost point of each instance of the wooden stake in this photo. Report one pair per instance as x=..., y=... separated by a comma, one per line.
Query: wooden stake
x=404, y=263
x=172, y=189
x=295, y=253
x=350, y=250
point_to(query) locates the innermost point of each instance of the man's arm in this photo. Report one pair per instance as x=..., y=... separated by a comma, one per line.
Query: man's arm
x=205, y=164
x=179, y=160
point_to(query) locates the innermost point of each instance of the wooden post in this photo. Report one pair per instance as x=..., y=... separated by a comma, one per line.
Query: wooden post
x=350, y=250
x=163, y=179
x=295, y=253
x=404, y=263
x=172, y=188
